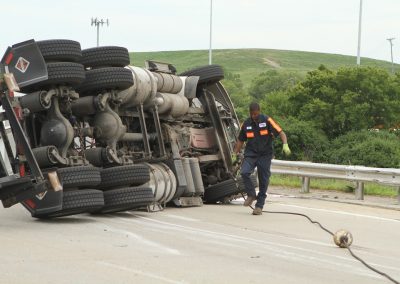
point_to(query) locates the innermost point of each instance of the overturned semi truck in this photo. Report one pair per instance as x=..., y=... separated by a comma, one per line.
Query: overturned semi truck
x=94, y=134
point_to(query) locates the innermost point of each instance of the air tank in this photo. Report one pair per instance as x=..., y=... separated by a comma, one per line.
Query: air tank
x=168, y=83
x=143, y=91
x=172, y=104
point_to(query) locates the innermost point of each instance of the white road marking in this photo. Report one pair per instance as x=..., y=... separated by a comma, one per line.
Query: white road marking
x=146, y=274
x=342, y=213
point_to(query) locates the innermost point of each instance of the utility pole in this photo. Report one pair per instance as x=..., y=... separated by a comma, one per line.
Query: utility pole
x=359, y=35
x=391, y=51
x=210, y=49
x=97, y=22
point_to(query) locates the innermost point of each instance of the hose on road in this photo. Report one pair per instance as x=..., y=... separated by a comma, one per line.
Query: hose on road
x=344, y=242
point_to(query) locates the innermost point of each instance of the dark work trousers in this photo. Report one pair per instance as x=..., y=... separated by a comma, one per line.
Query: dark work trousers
x=263, y=164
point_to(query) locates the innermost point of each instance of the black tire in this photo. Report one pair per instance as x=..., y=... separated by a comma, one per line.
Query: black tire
x=124, y=176
x=78, y=177
x=60, y=50
x=60, y=73
x=240, y=183
x=123, y=199
x=105, y=56
x=219, y=191
x=106, y=79
x=64, y=73
x=209, y=74
x=77, y=202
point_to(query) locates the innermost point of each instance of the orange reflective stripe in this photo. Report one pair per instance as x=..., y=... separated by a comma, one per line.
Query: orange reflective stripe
x=250, y=134
x=275, y=125
x=264, y=132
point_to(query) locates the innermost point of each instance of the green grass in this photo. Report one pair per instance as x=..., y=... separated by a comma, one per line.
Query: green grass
x=251, y=62
x=334, y=185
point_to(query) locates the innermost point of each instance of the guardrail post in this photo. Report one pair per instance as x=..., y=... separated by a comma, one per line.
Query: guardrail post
x=305, y=185
x=398, y=195
x=359, y=190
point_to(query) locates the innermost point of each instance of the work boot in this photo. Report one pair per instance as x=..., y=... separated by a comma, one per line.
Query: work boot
x=257, y=211
x=249, y=201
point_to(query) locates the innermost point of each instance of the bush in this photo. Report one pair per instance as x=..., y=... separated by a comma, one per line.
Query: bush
x=306, y=142
x=350, y=99
x=276, y=104
x=368, y=148
x=272, y=81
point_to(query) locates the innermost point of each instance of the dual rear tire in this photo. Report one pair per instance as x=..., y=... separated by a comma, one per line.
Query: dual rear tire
x=105, y=70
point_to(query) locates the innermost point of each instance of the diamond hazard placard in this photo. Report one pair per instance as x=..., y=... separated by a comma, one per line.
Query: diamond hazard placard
x=22, y=64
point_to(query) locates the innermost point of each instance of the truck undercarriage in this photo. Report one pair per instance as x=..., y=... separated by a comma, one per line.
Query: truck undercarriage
x=94, y=134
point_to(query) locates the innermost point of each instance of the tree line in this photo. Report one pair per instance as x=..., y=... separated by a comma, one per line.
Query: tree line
x=347, y=116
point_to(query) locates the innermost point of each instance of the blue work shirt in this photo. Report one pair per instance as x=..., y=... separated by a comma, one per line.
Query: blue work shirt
x=259, y=135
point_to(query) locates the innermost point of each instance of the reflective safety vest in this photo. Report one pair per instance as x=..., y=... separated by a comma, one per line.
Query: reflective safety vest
x=259, y=135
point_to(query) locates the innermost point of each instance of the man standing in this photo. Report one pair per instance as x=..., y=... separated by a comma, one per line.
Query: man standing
x=258, y=132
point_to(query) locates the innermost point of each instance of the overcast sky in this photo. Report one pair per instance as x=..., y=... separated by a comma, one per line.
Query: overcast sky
x=329, y=26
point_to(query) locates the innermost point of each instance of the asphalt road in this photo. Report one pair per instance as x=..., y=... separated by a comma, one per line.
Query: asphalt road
x=210, y=244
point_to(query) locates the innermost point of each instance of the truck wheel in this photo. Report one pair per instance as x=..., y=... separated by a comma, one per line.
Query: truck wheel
x=124, y=176
x=59, y=73
x=219, y=191
x=240, y=183
x=106, y=79
x=60, y=50
x=209, y=74
x=105, y=56
x=81, y=176
x=77, y=202
x=123, y=199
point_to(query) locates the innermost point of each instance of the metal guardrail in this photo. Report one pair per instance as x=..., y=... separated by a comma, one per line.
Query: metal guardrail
x=359, y=174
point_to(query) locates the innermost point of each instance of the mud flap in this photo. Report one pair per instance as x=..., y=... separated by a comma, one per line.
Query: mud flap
x=46, y=202
x=26, y=62
x=37, y=198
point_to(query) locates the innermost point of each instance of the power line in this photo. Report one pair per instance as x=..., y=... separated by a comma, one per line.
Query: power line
x=99, y=22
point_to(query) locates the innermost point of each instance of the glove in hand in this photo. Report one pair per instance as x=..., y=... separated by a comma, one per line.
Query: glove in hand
x=286, y=149
x=234, y=158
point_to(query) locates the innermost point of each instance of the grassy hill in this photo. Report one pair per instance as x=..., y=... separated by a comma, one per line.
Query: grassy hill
x=251, y=62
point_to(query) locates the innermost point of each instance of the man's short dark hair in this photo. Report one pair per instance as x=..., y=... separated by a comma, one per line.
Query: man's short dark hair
x=254, y=107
